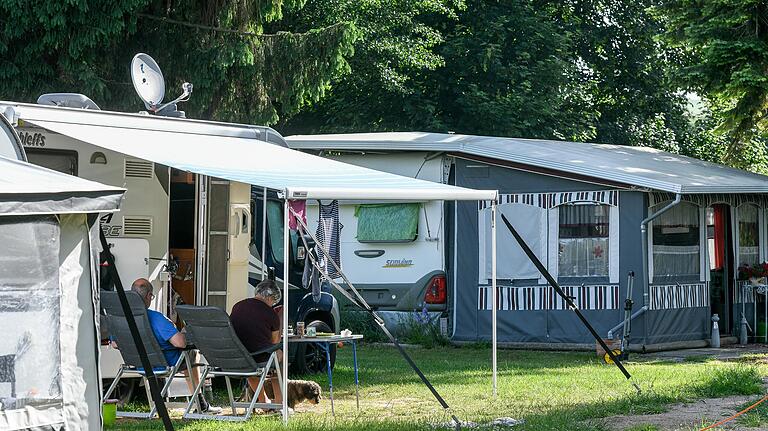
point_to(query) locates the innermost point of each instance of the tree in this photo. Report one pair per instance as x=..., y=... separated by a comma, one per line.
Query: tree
x=394, y=53
x=586, y=70
x=239, y=72
x=627, y=72
x=725, y=43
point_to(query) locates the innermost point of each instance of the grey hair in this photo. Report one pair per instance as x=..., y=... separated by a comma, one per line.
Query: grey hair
x=268, y=289
x=142, y=286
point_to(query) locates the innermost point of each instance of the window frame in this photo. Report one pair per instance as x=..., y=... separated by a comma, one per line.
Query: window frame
x=611, y=243
x=702, y=259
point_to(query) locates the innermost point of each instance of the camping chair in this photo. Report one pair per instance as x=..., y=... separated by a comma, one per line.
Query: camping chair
x=213, y=334
x=118, y=326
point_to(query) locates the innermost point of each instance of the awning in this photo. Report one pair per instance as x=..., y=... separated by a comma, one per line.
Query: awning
x=251, y=161
x=26, y=189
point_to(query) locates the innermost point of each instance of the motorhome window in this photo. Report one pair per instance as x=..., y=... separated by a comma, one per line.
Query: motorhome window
x=275, y=230
x=58, y=160
x=583, y=240
x=676, y=245
x=749, y=234
x=379, y=223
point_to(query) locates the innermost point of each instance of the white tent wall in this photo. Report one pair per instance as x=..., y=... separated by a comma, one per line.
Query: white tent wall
x=81, y=383
x=52, y=280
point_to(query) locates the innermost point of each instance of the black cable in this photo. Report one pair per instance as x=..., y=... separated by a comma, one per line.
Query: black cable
x=149, y=374
x=565, y=297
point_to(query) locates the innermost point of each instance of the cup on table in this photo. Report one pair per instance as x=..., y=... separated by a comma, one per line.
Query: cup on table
x=311, y=331
x=300, y=329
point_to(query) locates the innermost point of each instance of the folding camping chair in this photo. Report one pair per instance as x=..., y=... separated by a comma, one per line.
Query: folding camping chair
x=118, y=328
x=213, y=334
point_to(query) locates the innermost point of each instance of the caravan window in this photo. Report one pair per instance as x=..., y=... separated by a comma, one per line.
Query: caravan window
x=583, y=240
x=749, y=243
x=676, y=242
x=387, y=222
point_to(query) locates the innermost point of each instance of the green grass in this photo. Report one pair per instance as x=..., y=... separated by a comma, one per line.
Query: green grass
x=549, y=390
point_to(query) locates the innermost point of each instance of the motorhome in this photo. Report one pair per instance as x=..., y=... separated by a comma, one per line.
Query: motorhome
x=197, y=238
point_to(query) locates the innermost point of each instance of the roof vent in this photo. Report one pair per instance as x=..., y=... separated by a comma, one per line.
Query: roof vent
x=67, y=100
x=138, y=169
x=137, y=226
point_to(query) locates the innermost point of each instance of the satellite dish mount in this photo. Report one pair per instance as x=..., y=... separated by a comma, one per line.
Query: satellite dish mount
x=150, y=85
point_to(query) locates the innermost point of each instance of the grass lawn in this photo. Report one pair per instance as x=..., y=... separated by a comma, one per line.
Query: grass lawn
x=549, y=390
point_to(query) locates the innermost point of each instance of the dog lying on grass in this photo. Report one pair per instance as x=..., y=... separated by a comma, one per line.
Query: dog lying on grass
x=299, y=391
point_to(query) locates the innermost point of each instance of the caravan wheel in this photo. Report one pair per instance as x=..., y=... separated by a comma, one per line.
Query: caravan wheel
x=310, y=359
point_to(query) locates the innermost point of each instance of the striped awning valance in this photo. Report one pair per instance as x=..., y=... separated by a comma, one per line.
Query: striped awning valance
x=702, y=200
x=551, y=200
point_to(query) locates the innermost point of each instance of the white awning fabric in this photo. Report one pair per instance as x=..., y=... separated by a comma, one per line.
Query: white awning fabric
x=27, y=189
x=251, y=161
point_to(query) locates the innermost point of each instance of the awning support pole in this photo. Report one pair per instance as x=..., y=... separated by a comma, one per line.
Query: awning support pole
x=264, y=236
x=286, y=256
x=494, y=295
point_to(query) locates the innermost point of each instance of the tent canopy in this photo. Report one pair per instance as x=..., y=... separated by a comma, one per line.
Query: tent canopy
x=29, y=189
x=631, y=167
x=237, y=158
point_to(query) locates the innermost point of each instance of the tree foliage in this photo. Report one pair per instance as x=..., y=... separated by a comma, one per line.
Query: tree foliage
x=577, y=69
x=244, y=75
x=725, y=43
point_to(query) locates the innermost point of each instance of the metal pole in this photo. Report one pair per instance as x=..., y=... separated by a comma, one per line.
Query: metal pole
x=286, y=255
x=264, y=236
x=495, y=293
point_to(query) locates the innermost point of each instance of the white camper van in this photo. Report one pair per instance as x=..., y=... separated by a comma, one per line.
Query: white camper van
x=197, y=238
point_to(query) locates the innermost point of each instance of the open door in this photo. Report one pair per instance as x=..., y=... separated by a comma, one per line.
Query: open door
x=721, y=281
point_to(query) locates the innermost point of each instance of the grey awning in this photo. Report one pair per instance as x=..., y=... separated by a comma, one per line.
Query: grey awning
x=639, y=167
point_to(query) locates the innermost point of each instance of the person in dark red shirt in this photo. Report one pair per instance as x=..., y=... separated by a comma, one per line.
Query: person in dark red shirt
x=258, y=326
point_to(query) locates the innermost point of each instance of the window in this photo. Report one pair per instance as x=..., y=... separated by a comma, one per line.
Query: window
x=676, y=242
x=387, y=222
x=512, y=263
x=30, y=298
x=583, y=240
x=64, y=161
x=749, y=243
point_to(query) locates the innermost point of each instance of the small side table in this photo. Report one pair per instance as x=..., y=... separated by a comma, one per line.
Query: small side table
x=324, y=343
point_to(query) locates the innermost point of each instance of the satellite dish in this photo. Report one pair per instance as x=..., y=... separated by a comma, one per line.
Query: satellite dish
x=148, y=80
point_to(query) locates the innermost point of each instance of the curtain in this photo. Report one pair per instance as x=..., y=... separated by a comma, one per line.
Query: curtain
x=583, y=240
x=749, y=251
x=387, y=222
x=676, y=243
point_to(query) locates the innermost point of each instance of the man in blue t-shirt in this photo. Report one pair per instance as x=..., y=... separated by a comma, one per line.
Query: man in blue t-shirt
x=171, y=341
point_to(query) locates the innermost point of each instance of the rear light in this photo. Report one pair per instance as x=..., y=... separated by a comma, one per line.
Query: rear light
x=436, y=290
